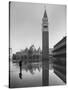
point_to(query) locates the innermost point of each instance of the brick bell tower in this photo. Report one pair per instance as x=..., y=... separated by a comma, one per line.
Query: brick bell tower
x=45, y=50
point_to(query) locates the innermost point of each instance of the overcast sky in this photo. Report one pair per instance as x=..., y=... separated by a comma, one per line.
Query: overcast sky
x=26, y=28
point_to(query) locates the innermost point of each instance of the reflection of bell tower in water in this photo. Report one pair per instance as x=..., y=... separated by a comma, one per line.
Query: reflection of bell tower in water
x=45, y=50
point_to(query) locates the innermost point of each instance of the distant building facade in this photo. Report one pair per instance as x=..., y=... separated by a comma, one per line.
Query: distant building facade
x=59, y=62
x=10, y=53
x=27, y=55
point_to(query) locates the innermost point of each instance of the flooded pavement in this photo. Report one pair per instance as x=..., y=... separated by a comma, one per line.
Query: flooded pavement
x=30, y=74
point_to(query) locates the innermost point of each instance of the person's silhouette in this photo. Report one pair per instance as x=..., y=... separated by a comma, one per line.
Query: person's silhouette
x=20, y=65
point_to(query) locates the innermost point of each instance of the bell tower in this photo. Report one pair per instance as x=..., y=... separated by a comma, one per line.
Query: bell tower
x=45, y=50
x=45, y=36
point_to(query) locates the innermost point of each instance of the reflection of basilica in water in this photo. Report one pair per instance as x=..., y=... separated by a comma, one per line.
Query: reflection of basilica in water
x=31, y=67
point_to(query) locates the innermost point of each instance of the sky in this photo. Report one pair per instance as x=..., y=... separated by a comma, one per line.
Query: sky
x=26, y=24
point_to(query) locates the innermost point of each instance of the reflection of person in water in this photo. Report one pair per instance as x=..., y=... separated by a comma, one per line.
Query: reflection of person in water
x=20, y=65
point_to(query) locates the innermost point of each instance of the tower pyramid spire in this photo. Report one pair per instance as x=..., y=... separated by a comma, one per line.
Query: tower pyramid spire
x=45, y=14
